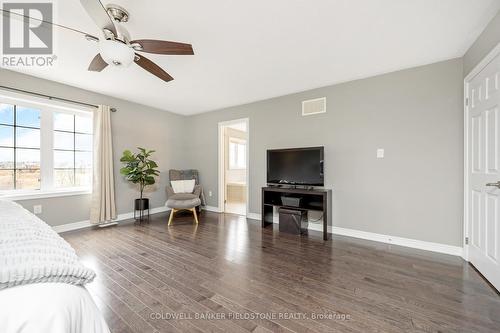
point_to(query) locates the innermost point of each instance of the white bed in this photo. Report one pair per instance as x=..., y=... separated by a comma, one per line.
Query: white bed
x=41, y=279
x=51, y=308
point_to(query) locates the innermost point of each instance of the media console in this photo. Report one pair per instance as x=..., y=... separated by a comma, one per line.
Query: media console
x=315, y=200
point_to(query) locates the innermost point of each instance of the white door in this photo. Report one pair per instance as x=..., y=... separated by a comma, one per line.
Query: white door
x=484, y=171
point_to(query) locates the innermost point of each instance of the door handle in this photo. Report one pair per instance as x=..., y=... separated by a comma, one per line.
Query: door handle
x=497, y=184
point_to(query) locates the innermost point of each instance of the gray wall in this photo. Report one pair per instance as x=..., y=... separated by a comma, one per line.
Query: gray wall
x=488, y=39
x=133, y=125
x=414, y=114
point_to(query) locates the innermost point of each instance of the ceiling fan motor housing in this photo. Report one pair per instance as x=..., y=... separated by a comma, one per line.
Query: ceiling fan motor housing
x=123, y=34
x=118, y=13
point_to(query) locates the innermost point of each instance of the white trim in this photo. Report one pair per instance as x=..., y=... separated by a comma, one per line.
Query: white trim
x=71, y=226
x=87, y=224
x=465, y=254
x=475, y=71
x=30, y=195
x=253, y=216
x=220, y=164
x=401, y=241
x=211, y=209
x=483, y=63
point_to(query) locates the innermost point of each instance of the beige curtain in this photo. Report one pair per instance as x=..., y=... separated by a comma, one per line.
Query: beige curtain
x=103, y=193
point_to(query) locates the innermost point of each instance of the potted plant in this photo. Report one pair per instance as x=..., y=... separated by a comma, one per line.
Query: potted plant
x=140, y=169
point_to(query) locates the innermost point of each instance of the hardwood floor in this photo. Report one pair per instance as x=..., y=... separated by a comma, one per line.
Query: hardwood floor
x=228, y=275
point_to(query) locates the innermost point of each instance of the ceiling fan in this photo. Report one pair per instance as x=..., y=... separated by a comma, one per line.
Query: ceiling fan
x=116, y=48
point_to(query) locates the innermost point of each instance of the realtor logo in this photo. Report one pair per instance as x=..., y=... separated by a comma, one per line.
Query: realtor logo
x=22, y=35
x=28, y=39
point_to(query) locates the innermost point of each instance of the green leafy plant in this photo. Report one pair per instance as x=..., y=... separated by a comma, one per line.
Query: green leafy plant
x=138, y=168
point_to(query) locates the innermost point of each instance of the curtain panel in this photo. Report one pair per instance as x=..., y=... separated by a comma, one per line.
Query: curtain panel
x=103, y=206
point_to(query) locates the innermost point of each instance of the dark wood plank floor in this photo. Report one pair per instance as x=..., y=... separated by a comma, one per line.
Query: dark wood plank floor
x=229, y=275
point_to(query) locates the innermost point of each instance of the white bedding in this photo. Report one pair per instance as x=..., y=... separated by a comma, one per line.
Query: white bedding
x=31, y=252
x=51, y=308
x=41, y=279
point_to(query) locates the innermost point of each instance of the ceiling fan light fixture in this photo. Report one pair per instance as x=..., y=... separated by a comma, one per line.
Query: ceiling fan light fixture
x=116, y=53
x=118, y=49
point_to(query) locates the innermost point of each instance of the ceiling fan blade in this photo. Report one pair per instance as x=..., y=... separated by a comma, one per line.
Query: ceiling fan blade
x=163, y=47
x=97, y=64
x=98, y=13
x=152, y=68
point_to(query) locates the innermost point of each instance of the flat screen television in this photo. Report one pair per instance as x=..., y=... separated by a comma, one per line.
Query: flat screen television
x=297, y=166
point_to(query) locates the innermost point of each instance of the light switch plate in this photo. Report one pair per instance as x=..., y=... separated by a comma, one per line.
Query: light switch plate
x=37, y=209
x=209, y=193
x=380, y=153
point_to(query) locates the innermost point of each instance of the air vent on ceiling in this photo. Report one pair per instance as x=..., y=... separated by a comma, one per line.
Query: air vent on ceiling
x=314, y=106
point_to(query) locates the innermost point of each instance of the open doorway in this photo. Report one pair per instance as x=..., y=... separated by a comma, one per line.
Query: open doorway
x=233, y=166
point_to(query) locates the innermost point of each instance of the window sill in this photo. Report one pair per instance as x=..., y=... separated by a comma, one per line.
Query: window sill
x=45, y=194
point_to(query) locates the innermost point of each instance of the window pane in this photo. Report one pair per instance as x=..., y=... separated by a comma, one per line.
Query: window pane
x=232, y=155
x=6, y=158
x=237, y=155
x=27, y=159
x=63, y=140
x=83, y=160
x=64, y=178
x=27, y=179
x=64, y=122
x=6, y=180
x=64, y=159
x=6, y=114
x=27, y=138
x=83, y=177
x=83, y=124
x=6, y=136
x=27, y=117
x=241, y=163
x=83, y=142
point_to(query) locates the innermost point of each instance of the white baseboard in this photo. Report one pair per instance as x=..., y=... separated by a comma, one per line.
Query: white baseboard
x=212, y=209
x=253, y=216
x=71, y=226
x=407, y=242
x=401, y=241
x=86, y=223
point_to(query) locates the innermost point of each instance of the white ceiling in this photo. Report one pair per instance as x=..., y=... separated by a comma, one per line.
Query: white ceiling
x=253, y=50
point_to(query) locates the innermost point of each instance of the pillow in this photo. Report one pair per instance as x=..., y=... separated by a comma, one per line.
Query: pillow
x=183, y=186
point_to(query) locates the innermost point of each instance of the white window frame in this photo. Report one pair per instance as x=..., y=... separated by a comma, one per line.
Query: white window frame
x=47, y=109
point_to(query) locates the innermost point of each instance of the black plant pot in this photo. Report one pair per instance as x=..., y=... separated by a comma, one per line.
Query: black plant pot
x=140, y=206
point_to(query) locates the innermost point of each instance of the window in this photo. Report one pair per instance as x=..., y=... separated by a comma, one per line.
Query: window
x=72, y=150
x=43, y=148
x=19, y=148
x=237, y=154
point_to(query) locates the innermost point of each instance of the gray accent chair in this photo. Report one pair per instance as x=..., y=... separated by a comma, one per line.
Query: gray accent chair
x=184, y=201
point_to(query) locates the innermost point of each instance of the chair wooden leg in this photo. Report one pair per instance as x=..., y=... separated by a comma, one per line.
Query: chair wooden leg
x=172, y=212
x=195, y=215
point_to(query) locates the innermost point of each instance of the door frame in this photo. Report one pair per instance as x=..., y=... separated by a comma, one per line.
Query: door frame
x=475, y=71
x=221, y=159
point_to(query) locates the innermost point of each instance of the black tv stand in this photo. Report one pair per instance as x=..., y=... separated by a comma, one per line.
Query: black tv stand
x=311, y=199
